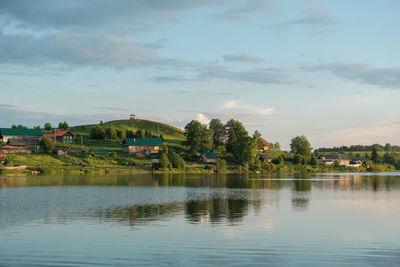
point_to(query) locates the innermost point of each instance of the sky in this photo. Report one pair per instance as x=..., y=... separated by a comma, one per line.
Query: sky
x=329, y=70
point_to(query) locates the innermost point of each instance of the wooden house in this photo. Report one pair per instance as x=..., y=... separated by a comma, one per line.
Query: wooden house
x=208, y=157
x=23, y=146
x=263, y=145
x=59, y=151
x=62, y=137
x=329, y=160
x=19, y=133
x=142, y=145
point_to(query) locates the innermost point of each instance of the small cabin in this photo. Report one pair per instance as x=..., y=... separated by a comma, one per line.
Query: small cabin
x=19, y=133
x=144, y=146
x=22, y=146
x=62, y=137
x=132, y=117
x=208, y=157
x=59, y=151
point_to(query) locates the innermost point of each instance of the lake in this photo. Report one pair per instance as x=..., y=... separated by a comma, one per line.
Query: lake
x=200, y=220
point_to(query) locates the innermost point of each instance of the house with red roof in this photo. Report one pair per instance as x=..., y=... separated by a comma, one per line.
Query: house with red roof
x=64, y=136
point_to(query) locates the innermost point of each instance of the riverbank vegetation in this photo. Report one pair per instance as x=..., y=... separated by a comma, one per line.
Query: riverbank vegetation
x=98, y=146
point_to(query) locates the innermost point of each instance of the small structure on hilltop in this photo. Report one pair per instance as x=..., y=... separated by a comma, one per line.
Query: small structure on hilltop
x=23, y=146
x=132, y=117
x=208, y=157
x=263, y=145
x=62, y=137
x=19, y=133
x=144, y=146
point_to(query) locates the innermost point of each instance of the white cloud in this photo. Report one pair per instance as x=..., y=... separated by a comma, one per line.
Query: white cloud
x=235, y=104
x=202, y=118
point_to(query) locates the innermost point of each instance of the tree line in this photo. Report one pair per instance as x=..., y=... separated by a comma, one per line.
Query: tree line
x=111, y=133
x=355, y=148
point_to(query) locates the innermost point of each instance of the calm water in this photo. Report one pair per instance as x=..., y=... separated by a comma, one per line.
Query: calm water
x=192, y=220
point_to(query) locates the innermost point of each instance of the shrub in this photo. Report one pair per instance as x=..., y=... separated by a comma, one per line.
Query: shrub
x=47, y=145
x=177, y=161
x=220, y=165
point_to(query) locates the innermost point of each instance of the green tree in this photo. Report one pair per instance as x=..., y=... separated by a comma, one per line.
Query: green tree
x=164, y=162
x=177, y=161
x=198, y=137
x=388, y=147
x=139, y=134
x=301, y=146
x=111, y=133
x=129, y=134
x=245, y=150
x=97, y=133
x=219, y=132
x=63, y=125
x=47, y=126
x=374, y=155
x=220, y=165
x=235, y=131
x=314, y=160
x=37, y=127
x=47, y=144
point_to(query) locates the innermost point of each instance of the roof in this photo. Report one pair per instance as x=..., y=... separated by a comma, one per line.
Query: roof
x=23, y=142
x=59, y=133
x=21, y=132
x=210, y=155
x=143, y=141
x=263, y=142
x=266, y=156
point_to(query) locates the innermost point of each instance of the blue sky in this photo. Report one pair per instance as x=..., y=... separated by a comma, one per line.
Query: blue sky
x=326, y=69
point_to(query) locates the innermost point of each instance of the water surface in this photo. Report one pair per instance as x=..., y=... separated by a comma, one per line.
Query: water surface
x=327, y=219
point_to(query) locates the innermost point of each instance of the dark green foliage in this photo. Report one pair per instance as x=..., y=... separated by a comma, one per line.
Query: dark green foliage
x=198, y=137
x=47, y=126
x=37, y=127
x=392, y=158
x=121, y=135
x=139, y=134
x=63, y=125
x=97, y=133
x=245, y=149
x=235, y=131
x=314, y=160
x=177, y=161
x=129, y=134
x=220, y=165
x=219, y=132
x=300, y=146
x=374, y=155
x=47, y=145
x=20, y=126
x=111, y=133
x=164, y=162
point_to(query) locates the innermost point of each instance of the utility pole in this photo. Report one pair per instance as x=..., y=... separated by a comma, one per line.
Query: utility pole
x=81, y=142
x=158, y=124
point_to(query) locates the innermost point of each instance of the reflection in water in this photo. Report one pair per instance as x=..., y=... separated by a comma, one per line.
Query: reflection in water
x=165, y=219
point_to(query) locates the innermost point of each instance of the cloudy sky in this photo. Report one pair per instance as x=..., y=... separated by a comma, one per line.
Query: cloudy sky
x=327, y=69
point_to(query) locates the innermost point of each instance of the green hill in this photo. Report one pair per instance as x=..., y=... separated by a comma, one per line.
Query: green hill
x=173, y=136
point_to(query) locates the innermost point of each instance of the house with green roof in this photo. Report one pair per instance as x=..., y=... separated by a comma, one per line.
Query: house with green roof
x=208, y=157
x=19, y=133
x=144, y=146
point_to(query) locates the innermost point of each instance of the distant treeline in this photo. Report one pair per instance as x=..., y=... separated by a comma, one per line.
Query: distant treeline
x=356, y=148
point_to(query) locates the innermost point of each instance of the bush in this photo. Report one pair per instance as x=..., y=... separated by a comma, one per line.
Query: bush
x=97, y=133
x=164, y=162
x=177, y=161
x=220, y=165
x=47, y=145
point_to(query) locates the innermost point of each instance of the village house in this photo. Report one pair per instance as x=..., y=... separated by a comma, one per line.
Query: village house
x=59, y=151
x=62, y=137
x=208, y=157
x=22, y=146
x=144, y=146
x=265, y=157
x=329, y=160
x=19, y=133
x=263, y=145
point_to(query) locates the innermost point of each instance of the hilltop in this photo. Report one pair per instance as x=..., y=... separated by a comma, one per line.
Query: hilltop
x=173, y=136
